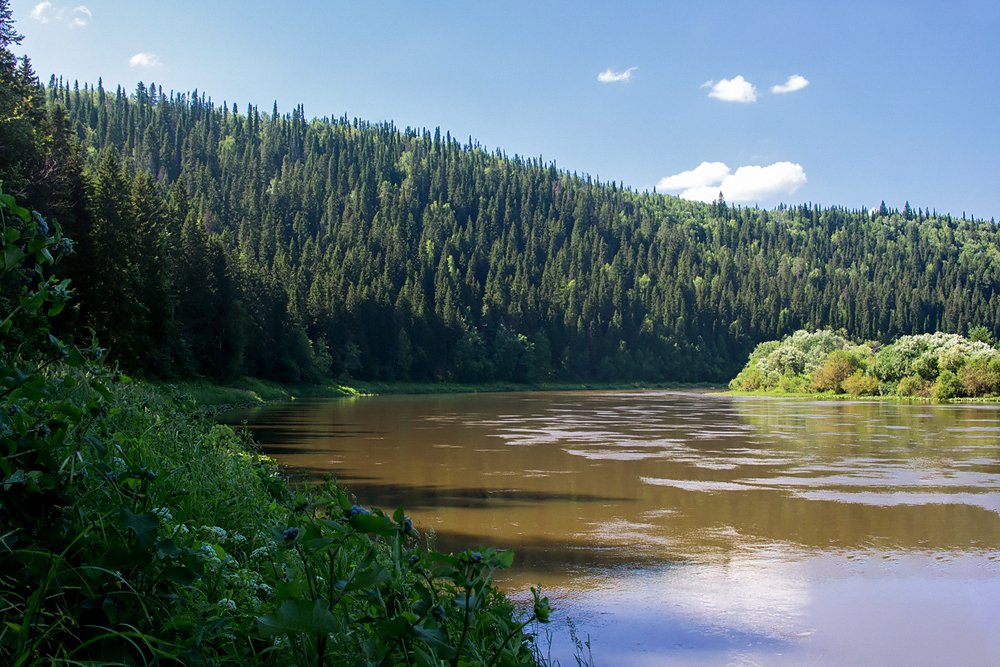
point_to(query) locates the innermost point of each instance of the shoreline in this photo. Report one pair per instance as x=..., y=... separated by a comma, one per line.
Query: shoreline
x=214, y=397
x=925, y=400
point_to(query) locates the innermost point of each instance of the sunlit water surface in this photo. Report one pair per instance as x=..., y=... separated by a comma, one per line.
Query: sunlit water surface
x=693, y=529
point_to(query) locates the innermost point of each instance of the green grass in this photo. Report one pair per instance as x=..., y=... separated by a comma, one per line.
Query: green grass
x=245, y=392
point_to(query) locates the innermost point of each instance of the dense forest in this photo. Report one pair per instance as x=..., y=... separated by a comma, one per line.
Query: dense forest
x=218, y=241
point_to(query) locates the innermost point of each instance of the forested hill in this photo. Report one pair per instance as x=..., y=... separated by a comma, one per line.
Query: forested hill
x=219, y=241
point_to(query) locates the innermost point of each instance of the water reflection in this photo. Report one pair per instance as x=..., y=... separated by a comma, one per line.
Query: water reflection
x=726, y=527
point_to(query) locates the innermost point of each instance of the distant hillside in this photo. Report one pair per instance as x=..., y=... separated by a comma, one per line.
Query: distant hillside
x=217, y=240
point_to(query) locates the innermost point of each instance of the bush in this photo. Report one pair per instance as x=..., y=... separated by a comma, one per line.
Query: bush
x=750, y=379
x=837, y=367
x=793, y=384
x=913, y=385
x=861, y=384
x=980, y=376
x=946, y=387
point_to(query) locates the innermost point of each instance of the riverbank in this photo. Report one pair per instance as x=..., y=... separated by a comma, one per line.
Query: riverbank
x=213, y=398
x=136, y=530
x=888, y=398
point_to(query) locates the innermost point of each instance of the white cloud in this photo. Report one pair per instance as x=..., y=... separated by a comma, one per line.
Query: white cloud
x=144, y=60
x=747, y=184
x=705, y=173
x=736, y=89
x=795, y=82
x=611, y=76
x=42, y=12
x=75, y=17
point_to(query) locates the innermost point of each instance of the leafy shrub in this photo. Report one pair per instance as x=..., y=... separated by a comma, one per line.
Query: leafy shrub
x=861, y=384
x=793, y=384
x=839, y=365
x=980, y=376
x=946, y=387
x=749, y=379
x=926, y=365
x=913, y=385
x=925, y=355
x=796, y=355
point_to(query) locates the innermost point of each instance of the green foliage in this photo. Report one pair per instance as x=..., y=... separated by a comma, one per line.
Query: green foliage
x=838, y=366
x=913, y=385
x=947, y=386
x=926, y=355
x=981, y=334
x=942, y=366
x=786, y=365
x=860, y=383
x=980, y=375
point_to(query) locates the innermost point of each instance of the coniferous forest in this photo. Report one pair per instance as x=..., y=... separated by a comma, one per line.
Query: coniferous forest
x=217, y=240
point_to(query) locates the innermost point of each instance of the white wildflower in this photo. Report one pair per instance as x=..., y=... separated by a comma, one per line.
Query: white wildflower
x=217, y=532
x=260, y=552
x=208, y=553
x=164, y=514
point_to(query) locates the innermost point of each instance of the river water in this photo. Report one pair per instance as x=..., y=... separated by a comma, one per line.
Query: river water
x=696, y=529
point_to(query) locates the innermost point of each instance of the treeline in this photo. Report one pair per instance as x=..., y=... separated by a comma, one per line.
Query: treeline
x=221, y=241
x=940, y=366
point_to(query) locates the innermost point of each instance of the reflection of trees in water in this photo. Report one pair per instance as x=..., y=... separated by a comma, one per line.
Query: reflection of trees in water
x=716, y=474
x=838, y=428
x=879, y=475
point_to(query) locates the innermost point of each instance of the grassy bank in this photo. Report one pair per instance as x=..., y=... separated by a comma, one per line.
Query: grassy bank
x=156, y=535
x=245, y=392
x=377, y=388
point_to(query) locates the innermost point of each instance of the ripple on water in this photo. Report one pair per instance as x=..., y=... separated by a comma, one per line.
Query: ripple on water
x=709, y=486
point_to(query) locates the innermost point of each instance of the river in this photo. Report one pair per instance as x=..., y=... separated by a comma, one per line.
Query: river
x=696, y=529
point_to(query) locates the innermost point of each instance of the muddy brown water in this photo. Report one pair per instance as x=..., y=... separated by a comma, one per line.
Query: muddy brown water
x=695, y=529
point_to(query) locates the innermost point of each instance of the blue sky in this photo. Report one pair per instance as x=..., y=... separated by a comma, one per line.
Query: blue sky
x=902, y=99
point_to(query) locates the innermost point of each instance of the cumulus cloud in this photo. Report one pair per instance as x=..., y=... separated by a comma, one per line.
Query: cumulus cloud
x=611, y=76
x=795, y=82
x=74, y=17
x=704, y=174
x=736, y=89
x=144, y=60
x=747, y=184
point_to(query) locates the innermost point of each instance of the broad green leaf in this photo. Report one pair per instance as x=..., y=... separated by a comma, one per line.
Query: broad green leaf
x=12, y=256
x=504, y=559
x=299, y=617
x=371, y=523
x=143, y=525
